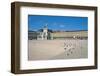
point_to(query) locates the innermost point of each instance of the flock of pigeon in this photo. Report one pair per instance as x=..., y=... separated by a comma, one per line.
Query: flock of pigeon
x=69, y=48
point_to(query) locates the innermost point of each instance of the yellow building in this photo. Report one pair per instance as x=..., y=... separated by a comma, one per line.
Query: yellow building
x=70, y=34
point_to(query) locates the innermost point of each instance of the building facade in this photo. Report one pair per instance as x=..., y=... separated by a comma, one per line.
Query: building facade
x=45, y=34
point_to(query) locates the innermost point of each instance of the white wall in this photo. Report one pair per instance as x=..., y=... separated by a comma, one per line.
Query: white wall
x=5, y=33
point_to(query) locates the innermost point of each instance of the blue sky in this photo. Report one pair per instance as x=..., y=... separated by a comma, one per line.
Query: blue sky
x=62, y=23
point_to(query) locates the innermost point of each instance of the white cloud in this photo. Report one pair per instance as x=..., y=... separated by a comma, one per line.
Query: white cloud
x=62, y=25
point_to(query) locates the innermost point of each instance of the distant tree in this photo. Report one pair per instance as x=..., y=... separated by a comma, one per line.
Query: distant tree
x=49, y=30
x=40, y=30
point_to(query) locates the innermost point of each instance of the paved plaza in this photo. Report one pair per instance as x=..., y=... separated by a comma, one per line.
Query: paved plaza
x=57, y=49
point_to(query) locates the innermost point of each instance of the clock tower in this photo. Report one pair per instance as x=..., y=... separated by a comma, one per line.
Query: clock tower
x=45, y=32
